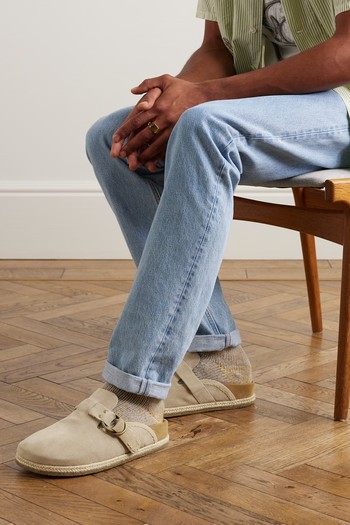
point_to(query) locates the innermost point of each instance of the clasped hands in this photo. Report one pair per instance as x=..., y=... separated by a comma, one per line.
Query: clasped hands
x=165, y=99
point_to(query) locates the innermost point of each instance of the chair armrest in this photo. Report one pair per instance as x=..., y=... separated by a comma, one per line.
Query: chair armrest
x=338, y=190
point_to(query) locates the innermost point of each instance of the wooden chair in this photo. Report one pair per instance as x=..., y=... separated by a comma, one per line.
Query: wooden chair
x=322, y=209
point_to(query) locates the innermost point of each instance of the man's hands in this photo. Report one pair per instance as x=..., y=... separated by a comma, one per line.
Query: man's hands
x=166, y=99
x=144, y=104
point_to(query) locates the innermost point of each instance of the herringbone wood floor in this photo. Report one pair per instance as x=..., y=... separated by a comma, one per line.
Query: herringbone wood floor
x=282, y=461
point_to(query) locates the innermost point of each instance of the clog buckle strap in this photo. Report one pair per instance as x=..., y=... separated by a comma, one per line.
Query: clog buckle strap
x=115, y=426
x=109, y=421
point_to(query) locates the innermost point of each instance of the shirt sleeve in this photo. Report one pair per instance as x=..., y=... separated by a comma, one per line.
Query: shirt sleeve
x=206, y=9
x=340, y=6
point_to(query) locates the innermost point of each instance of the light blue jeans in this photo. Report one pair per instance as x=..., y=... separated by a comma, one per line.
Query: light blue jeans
x=176, y=221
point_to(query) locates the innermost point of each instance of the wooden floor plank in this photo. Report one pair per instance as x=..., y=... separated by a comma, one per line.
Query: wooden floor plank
x=30, y=274
x=205, y=506
x=30, y=337
x=324, y=480
x=15, y=413
x=59, y=334
x=53, y=362
x=336, y=460
x=78, y=308
x=313, y=392
x=38, y=491
x=19, y=351
x=39, y=401
x=271, y=504
x=20, y=512
x=122, y=499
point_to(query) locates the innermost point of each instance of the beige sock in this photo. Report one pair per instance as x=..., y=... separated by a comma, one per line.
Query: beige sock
x=133, y=407
x=230, y=365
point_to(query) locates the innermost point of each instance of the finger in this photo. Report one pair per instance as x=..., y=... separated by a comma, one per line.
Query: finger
x=156, y=149
x=151, y=166
x=116, y=148
x=133, y=161
x=150, y=83
x=145, y=103
x=139, y=141
x=148, y=100
x=117, y=145
x=116, y=136
x=138, y=121
x=146, y=85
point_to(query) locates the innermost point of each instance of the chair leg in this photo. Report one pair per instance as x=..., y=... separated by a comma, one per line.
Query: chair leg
x=342, y=386
x=311, y=271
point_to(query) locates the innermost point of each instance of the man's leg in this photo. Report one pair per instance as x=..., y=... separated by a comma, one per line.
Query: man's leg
x=211, y=148
x=134, y=198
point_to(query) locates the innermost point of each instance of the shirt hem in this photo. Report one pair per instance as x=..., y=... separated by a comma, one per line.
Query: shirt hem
x=207, y=15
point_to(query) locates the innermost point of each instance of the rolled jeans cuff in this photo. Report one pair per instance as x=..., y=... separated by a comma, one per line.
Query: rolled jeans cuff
x=213, y=343
x=134, y=384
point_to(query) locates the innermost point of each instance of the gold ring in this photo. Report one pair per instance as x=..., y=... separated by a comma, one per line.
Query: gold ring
x=153, y=127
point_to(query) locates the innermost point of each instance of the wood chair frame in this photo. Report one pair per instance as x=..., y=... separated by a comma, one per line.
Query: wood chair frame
x=323, y=213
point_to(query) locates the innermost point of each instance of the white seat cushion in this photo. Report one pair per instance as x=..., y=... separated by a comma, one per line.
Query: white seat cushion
x=314, y=179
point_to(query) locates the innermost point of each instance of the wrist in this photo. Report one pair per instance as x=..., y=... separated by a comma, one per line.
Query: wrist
x=250, y=84
x=213, y=90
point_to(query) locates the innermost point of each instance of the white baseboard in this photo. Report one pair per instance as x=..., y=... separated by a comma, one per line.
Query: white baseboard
x=72, y=220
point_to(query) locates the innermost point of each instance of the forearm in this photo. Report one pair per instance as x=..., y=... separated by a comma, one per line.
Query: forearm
x=321, y=68
x=209, y=62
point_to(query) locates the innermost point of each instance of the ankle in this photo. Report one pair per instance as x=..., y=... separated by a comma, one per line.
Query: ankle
x=230, y=365
x=134, y=407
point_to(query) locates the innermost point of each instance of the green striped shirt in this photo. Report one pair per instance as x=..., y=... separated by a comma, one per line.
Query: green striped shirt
x=240, y=21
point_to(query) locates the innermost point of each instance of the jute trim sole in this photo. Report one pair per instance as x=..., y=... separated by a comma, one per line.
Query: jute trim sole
x=82, y=470
x=208, y=407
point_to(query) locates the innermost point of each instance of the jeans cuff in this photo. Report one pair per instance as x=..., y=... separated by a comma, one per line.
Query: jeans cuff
x=213, y=343
x=134, y=384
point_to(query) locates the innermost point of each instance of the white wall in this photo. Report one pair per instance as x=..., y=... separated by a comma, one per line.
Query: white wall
x=63, y=64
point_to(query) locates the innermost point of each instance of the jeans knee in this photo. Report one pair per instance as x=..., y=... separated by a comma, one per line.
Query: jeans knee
x=203, y=138
x=100, y=134
x=203, y=124
x=192, y=121
x=93, y=139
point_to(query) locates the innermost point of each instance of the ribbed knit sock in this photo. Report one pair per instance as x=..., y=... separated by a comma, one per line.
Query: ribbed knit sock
x=133, y=407
x=230, y=365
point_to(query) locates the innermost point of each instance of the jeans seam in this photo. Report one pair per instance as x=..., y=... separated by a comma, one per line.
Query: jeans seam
x=208, y=312
x=155, y=191
x=305, y=134
x=190, y=272
x=211, y=320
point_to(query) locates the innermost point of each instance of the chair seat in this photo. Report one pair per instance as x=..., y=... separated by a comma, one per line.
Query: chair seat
x=314, y=179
